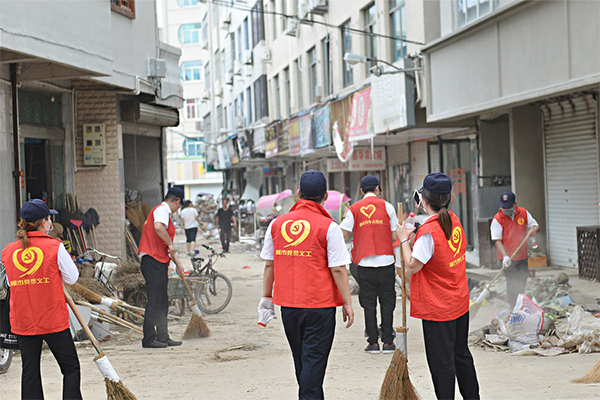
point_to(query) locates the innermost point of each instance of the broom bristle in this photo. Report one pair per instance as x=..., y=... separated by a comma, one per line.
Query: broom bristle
x=196, y=328
x=117, y=391
x=396, y=384
x=593, y=376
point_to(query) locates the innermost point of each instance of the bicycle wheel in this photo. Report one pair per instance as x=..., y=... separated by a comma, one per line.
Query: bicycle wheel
x=214, y=295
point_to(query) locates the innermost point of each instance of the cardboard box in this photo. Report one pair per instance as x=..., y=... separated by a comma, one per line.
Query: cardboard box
x=537, y=262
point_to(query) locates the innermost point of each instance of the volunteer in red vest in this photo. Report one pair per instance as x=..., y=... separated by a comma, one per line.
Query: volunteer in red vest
x=509, y=227
x=439, y=289
x=305, y=273
x=372, y=222
x=36, y=266
x=156, y=250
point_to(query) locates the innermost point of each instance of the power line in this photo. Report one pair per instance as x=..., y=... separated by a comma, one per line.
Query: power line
x=240, y=7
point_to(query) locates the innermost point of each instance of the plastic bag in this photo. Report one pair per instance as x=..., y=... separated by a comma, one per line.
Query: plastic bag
x=580, y=331
x=525, y=322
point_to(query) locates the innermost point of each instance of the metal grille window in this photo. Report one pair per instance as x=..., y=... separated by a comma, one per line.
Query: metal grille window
x=261, y=104
x=347, y=48
x=370, y=16
x=312, y=74
x=39, y=108
x=258, y=24
x=468, y=11
x=192, y=109
x=327, y=78
x=299, y=82
x=189, y=33
x=124, y=7
x=191, y=71
x=398, y=17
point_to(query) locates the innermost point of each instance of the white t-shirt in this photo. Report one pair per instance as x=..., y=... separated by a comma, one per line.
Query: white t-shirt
x=337, y=253
x=188, y=218
x=375, y=260
x=496, y=229
x=162, y=214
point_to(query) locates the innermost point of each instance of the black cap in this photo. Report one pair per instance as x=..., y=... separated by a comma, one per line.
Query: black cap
x=369, y=181
x=313, y=184
x=176, y=192
x=507, y=199
x=437, y=183
x=35, y=209
x=187, y=203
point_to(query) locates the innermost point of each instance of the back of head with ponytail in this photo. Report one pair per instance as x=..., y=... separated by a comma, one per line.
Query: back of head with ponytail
x=439, y=203
x=25, y=227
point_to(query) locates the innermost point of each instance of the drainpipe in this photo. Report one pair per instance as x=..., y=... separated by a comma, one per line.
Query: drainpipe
x=16, y=153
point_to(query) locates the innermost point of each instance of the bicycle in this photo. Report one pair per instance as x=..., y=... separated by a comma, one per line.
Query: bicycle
x=214, y=291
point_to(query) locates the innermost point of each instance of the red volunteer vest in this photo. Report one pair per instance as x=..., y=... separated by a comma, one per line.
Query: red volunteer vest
x=151, y=243
x=439, y=291
x=514, y=231
x=371, y=232
x=302, y=275
x=37, y=300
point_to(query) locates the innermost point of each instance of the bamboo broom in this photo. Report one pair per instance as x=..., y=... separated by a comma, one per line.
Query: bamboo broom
x=115, y=389
x=396, y=384
x=197, y=326
x=109, y=316
x=593, y=376
x=114, y=304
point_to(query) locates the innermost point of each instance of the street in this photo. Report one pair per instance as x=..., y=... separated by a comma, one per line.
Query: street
x=241, y=360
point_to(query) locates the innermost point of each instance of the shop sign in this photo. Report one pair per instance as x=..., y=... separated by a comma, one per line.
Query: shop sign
x=323, y=126
x=392, y=101
x=359, y=119
x=272, y=171
x=294, y=137
x=283, y=143
x=362, y=160
x=271, y=141
x=306, y=134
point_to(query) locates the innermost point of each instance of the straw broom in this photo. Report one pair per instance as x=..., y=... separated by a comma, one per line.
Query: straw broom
x=593, y=376
x=197, y=326
x=115, y=389
x=115, y=305
x=396, y=384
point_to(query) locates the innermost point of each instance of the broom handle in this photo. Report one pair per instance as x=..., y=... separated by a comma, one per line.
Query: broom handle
x=401, y=215
x=180, y=273
x=110, y=316
x=511, y=257
x=79, y=317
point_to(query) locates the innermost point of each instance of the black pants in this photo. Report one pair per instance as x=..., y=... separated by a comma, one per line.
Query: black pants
x=225, y=235
x=63, y=349
x=378, y=282
x=310, y=333
x=155, y=318
x=190, y=235
x=516, y=280
x=448, y=357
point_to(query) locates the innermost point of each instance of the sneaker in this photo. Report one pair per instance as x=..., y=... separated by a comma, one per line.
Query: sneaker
x=372, y=348
x=388, y=348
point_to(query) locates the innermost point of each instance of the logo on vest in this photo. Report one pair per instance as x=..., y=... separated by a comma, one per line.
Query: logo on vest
x=367, y=211
x=28, y=261
x=520, y=221
x=298, y=232
x=455, y=240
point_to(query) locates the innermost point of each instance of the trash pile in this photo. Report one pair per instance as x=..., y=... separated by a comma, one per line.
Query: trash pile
x=548, y=322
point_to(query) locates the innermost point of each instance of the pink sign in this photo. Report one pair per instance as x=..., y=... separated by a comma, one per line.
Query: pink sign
x=359, y=118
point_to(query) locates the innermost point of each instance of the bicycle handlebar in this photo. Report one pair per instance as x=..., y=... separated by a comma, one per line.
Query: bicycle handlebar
x=89, y=249
x=207, y=247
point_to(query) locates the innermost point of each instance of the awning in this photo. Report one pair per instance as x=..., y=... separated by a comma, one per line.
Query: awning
x=270, y=200
x=335, y=200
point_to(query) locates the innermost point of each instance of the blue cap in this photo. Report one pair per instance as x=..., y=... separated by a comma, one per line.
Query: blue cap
x=313, y=184
x=175, y=191
x=35, y=209
x=437, y=183
x=369, y=181
x=507, y=199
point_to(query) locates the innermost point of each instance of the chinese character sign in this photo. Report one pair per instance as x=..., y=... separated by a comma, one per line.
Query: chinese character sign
x=294, y=136
x=459, y=183
x=323, y=126
x=358, y=119
x=271, y=148
x=362, y=159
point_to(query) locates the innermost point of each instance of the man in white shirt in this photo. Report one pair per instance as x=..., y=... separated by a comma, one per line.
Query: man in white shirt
x=372, y=222
x=190, y=222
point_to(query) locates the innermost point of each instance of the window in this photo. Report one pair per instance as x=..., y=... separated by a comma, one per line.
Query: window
x=258, y=25
x=398, y=17
x=192, y=109
x=187, y=3
x=124, y=7
x=189, y=33
x=299, y=81
x=248, y=106
x=274, y=21
x=232, y=50
x=193, y=147
x=217, y=66
x=239, y=43
x=277, y=90
x=284, y=12
x=246, y=35
x=288, y=92
x=468, y=11
x=205, y=30
x=219, y=117
x=347, y=48
x=191, y=71
x=261, y=104
x=312, y=74
x=207, y=123
x=225, y=117
x=370, y=16
x=207, y=76
x=224, y=63
x=327, y=79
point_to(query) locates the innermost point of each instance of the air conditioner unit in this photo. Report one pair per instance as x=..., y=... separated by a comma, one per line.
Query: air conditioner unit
x=229, y=79
x=157, y=68
x=291, y=26
x=226, y=21
x=206, y=94
x=265, y=54
x=319, y=7
x=204, y=44
x=237, y=67
x=240, y=121
x=200, y=126
x=247, y=58
x=218, y=88
x=302, y=10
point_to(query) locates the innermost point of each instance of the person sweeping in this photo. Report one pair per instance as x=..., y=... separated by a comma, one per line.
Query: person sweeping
x=36, y=266
x=439, y=289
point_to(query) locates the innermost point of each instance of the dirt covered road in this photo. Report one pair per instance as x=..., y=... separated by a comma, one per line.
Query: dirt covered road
x=240, y=360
